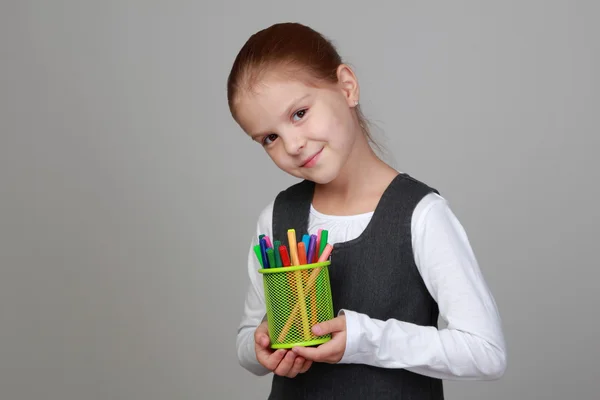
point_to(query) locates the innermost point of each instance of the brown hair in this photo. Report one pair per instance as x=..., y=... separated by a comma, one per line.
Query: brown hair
x=290, y=45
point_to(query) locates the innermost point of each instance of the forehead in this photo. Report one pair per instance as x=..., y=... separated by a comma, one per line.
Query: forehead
x=272, y=90
x=268, y=100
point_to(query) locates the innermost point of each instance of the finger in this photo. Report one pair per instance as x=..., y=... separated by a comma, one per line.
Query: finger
x=322, y=353
x=263, y=353
x=271, y=360
x=311, y=353
x=261, y=335
x=262, y=339
x=286, y=364
x=296, y=367
x=261, y=345
x=333, y=325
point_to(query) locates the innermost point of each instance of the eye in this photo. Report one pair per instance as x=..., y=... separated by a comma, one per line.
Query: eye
x=300, y=114
x=270, y=138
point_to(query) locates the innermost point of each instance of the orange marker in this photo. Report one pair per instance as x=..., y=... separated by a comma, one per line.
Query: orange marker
x=301, y=253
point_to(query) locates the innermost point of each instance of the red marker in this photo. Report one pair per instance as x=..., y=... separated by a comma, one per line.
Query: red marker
x=285, y=257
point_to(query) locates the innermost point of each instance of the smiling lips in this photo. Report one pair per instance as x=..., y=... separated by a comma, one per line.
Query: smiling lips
x=312, y=160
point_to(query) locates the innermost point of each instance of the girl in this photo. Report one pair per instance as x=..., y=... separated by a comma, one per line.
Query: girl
x=400, y=258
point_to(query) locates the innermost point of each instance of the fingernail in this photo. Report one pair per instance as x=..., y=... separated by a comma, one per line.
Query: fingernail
x=316, y=329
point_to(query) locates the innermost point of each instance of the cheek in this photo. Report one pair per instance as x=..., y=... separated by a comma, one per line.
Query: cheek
x=284, y=163
x=326, y=129
x=280, y=157
x=339, y=133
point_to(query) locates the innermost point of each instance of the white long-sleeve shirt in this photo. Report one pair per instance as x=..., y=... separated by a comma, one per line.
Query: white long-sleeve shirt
x=472, y=346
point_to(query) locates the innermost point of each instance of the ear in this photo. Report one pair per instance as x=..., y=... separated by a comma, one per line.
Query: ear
x=348, y=84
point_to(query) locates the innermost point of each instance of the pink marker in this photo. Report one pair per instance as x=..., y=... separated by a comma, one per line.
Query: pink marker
x=326, y=253
x=268, y=242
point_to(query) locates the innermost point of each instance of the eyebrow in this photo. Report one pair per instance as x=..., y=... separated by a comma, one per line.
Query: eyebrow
x=287, y=112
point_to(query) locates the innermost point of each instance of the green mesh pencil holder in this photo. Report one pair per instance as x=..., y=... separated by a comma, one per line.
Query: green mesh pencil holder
x=297, y=298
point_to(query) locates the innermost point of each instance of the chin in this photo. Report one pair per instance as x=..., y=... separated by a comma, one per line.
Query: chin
x=322, y=177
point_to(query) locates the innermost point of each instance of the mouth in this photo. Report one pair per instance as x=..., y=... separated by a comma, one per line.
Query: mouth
x=311, y=161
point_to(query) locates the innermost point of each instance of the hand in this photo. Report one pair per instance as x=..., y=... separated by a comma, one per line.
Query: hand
x=281, y=362
x=332, y=351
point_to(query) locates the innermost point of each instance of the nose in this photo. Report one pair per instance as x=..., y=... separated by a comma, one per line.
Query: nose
x=294, y=144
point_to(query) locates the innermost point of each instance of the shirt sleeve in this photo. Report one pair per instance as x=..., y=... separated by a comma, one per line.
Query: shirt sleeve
x=472, y=345
x=254, y=304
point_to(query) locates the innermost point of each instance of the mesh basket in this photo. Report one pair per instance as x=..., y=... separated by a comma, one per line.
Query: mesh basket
x=297, y=298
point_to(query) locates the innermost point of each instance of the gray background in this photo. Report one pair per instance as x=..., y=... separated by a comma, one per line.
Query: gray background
x=129, y=196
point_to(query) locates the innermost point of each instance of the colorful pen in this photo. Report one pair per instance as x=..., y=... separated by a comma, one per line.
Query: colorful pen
x=326, y=253
x=306, y=241
x=285, y=257
x=312, y=245
x=301, y=254
x=324, y=238
x=293, y=246
x=313, y=294
x=318, y=250
x=263, y=252
x=258, y=255
x=276, y=245
x=269, y=244
x=271, y=257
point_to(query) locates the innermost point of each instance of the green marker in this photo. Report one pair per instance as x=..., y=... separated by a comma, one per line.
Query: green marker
x=271, y=256
x=260, y=238
x=323, y=241
x=278, y=262
x=258, y=255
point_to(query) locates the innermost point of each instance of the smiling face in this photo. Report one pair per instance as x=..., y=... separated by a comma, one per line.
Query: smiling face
x=309, y=132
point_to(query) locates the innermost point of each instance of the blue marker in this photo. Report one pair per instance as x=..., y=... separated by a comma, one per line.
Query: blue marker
x=263, y=253
x=306, y=240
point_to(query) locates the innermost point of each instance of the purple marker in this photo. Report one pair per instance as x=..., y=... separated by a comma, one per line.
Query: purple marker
x=312, y=246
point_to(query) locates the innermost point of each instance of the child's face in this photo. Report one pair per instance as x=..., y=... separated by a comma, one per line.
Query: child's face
x=308, y=132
